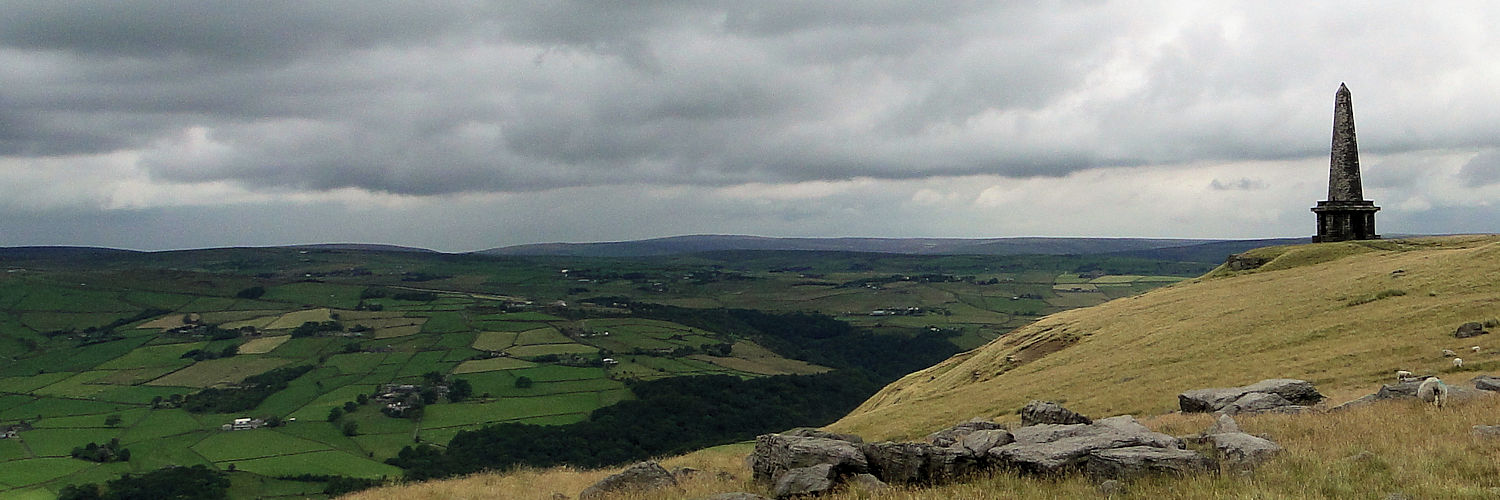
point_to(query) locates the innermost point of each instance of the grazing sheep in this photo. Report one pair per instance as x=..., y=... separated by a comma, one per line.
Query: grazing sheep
x=1448, y=353
x=1475, y=349
x=1403, y=375
x=1458, y=362
x=1433, y=391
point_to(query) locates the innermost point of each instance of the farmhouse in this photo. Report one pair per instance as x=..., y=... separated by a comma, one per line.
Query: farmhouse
x=243, y=424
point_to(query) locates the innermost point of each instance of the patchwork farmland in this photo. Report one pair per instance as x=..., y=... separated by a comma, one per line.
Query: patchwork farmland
x=316, y=351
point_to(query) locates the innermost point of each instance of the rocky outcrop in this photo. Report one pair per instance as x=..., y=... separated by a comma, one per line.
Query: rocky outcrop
x=804, y=481
x=1241, y=451
x=639, y=477
x=920, y=463
x=1233, y=400
x=1047, y=412
x=1470, y=329
x=979, y=442
x=1486, y=431
x=819, y=433
x=777, y=453
x=951, y=435
x=1058, y=448
x=1242, y=262
x=1106, y=449
x=1136, y=461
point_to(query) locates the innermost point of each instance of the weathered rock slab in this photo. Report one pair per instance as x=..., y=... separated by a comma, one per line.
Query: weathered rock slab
x=1066, y=453
x=951, y=435
x=978, y=443
x=920, y=463
x=1486, y=431
x=1048, y=412
x=640, y=477
x=819, y=433
x=776, y=453
x=804, y=481
x=1137, y=461
x=1294, y=392
x=738, y=495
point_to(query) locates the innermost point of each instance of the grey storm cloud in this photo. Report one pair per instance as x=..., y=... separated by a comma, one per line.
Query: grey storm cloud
x=1482, y=170
x=429, y=98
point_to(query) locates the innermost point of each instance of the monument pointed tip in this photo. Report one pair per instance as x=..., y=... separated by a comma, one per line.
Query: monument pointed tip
x=1343, y=88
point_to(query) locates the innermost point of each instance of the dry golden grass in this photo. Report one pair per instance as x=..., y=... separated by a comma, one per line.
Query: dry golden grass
x=1291, y=319
x=1369, y=452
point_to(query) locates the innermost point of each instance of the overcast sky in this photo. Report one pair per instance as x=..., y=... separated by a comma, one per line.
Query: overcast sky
x=462, y=125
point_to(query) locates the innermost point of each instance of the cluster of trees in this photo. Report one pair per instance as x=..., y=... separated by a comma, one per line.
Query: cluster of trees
x=105, y=333
x=312, y=328
x=253, y=292
x=336, y=485
x=196, y=482
x=251, y=392
x=103, y=453
x=679, y=414
x=201, y=355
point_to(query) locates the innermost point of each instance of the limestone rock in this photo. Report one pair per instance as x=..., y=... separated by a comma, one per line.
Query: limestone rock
x=775, y=453
x=1298, y=392
x=1047, y=412
x=1239, y=450
x=978, y=443
x=1487, y=383
x=804, y=481
x=819, y=433
x=921, y=463
x=1470, y=329
x=951, y=435
x=641, y=476
x=684, y=472
x=1136, y=461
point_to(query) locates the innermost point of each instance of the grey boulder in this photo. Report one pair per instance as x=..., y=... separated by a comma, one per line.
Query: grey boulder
x=804, y=481
x=776, y=453
x=1241, y=451
x=1137, y=461
x=639, y=477
x=1047, y=412
x=920, y=463
x=951, y=435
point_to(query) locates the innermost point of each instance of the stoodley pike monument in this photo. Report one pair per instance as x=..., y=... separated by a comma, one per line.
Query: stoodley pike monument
x=1346, y=214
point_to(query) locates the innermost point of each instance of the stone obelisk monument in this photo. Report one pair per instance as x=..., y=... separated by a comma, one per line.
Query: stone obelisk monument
x=1346, y=214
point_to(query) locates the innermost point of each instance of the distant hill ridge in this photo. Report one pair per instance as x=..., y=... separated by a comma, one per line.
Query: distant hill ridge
x=1142, y=247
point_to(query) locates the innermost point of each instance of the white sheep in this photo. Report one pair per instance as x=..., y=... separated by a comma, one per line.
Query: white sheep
x=1433, y=391
x=1403, y=375
x=1475, y=349
x=1458, y=362
x=1448, y=353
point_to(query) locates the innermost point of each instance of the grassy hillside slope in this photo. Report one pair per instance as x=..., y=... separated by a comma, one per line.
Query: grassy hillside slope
x=1336, y=314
